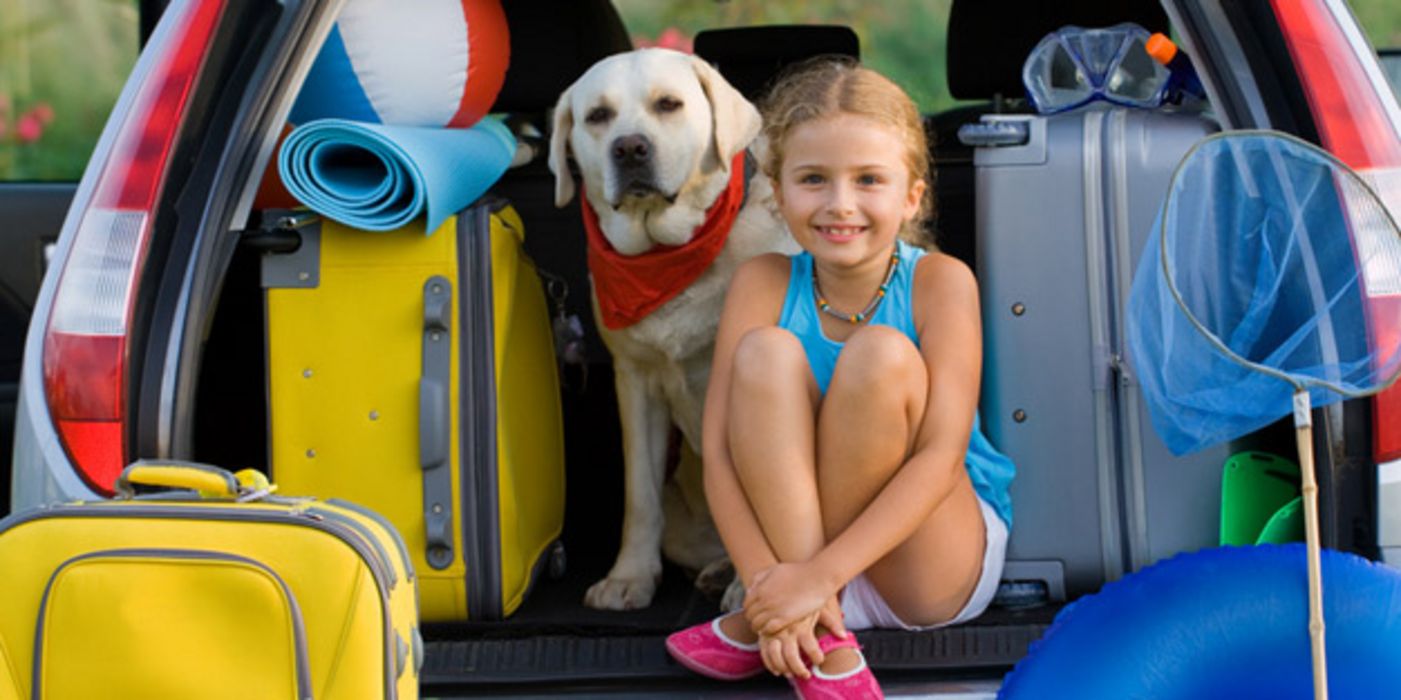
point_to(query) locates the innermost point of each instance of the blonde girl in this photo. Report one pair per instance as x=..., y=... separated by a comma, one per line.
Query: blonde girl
x=844, y=465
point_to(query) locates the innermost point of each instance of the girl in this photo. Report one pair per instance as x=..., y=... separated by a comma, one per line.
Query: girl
x=843, y=461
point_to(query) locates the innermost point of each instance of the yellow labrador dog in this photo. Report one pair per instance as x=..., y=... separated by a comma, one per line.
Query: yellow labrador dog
x=659, y=138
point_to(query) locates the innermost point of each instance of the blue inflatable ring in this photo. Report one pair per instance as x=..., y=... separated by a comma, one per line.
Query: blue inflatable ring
x=1221, y=623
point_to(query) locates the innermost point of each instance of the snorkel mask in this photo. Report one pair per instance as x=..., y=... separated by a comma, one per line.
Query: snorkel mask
x=1073, y=66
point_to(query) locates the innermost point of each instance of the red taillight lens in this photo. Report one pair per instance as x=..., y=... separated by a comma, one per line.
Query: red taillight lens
x=85, y=343
x=1356, y=119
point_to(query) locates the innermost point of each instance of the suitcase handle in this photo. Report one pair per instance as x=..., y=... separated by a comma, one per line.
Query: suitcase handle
x=206, y=480
x=434, y=421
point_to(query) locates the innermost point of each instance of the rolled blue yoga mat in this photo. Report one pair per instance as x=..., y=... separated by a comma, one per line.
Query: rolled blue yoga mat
x=379, y=178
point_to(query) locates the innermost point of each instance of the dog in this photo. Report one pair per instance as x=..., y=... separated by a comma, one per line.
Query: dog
x=659, y=138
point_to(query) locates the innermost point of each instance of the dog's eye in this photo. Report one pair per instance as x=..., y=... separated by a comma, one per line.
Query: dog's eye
x=598, y=115
x=668, y=104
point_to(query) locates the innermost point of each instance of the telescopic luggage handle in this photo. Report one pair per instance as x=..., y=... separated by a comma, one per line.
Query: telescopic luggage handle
x=207, y=480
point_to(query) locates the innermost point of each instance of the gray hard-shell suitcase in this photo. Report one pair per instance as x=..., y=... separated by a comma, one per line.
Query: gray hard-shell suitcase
x=1061, y=221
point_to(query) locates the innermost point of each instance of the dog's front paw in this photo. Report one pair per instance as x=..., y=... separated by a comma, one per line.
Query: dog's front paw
x=734, y=596
x=621, y=593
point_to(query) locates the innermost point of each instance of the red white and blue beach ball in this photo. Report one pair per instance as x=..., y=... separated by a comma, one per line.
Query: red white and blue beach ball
x=436, y=63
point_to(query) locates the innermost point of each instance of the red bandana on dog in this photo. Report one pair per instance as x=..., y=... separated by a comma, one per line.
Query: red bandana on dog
x=630, y=287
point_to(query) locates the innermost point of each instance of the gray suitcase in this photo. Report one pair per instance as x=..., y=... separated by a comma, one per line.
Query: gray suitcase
x=1061, y=220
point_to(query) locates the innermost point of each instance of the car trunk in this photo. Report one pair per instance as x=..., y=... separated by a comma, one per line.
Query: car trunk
x=553, y=641
x=553, y=638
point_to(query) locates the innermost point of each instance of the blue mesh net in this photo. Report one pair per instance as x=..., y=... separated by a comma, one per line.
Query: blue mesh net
x=1266, y=265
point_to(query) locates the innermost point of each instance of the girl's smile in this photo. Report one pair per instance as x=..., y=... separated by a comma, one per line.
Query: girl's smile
x=841, y=233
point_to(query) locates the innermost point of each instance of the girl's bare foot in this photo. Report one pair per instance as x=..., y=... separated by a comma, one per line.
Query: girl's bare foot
x=736, y=627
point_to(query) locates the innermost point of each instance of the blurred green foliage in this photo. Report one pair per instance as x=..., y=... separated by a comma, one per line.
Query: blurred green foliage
x=62, y=65
x=903, y=39
x=63, y=62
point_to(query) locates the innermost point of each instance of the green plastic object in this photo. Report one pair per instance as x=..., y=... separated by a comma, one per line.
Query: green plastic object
x=1255, y=488
x=1286, y=525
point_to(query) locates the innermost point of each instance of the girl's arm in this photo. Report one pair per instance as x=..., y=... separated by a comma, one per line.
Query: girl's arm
x=948, y=321
x=754, y=300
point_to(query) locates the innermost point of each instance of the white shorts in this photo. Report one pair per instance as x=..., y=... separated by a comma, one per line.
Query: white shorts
x=864, y=608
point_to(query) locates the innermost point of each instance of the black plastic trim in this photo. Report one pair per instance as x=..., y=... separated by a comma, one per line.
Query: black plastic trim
x=1191, y=19
x=183, y=207
x=1347, y=477
x=1272, y=67
x=572, y=661
x=214, y=243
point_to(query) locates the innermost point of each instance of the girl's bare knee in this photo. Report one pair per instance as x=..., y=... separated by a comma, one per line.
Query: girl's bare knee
x=765, y=356
x=879, y=356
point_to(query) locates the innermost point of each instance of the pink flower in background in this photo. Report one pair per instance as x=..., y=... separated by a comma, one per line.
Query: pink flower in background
x=670, y=38
x=28, y=129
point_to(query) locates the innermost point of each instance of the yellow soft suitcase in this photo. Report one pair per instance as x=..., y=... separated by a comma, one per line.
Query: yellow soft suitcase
x=416, y=374
x=220, y=590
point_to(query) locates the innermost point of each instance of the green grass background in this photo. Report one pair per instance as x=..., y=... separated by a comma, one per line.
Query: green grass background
x=74, y=55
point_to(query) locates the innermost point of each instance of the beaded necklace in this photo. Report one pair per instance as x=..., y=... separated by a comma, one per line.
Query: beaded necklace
x=865, y=313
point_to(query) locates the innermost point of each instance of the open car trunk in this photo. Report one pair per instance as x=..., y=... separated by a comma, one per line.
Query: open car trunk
x=553, y=638
x=1081, y=518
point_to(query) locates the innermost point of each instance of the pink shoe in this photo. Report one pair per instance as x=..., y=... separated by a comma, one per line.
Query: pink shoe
x=859, y=682
x=707, y=651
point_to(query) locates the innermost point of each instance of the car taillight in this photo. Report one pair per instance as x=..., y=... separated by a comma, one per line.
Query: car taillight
x=1358, y=121
x=85, y=342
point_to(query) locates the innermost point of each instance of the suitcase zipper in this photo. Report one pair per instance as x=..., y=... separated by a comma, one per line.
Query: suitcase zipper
x=383, y=523
x=299, y=512
x=381, y=555
x=303, y=665
x=373, y=553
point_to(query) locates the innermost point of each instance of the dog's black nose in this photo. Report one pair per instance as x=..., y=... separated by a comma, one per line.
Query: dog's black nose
x=632, y=150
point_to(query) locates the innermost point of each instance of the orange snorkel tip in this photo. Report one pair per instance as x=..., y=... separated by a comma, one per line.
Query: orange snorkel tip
x=1161, y=48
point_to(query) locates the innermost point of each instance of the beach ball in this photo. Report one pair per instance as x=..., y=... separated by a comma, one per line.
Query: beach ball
x=437, y=63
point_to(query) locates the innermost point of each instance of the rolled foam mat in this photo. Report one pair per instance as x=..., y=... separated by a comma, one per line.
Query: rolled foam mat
x=379, y=177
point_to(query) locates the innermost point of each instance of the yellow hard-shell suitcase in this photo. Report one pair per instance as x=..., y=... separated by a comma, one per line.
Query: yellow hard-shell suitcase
x=416, y=374
x=218, y=590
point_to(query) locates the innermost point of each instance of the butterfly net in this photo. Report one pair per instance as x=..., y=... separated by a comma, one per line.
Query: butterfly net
x=1272, y=268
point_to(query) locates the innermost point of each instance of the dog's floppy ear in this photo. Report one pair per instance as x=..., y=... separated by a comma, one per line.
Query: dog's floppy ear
x=559, y=149
x=737, y=121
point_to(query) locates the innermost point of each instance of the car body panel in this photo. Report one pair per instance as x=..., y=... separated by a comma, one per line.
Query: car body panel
x=1244, y=66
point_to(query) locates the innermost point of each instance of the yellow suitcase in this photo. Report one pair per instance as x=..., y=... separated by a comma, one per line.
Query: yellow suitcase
x=218, y=591
x=416, y=374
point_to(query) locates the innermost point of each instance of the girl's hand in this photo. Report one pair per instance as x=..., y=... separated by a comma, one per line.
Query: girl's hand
x=783, y=652
x=783, y=594
x=832, y=617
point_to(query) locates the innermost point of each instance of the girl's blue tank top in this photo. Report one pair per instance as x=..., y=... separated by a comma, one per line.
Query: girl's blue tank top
x=990, y=471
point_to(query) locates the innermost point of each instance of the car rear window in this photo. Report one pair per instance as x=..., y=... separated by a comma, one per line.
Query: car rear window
x=62, y=65
x=903, y=39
